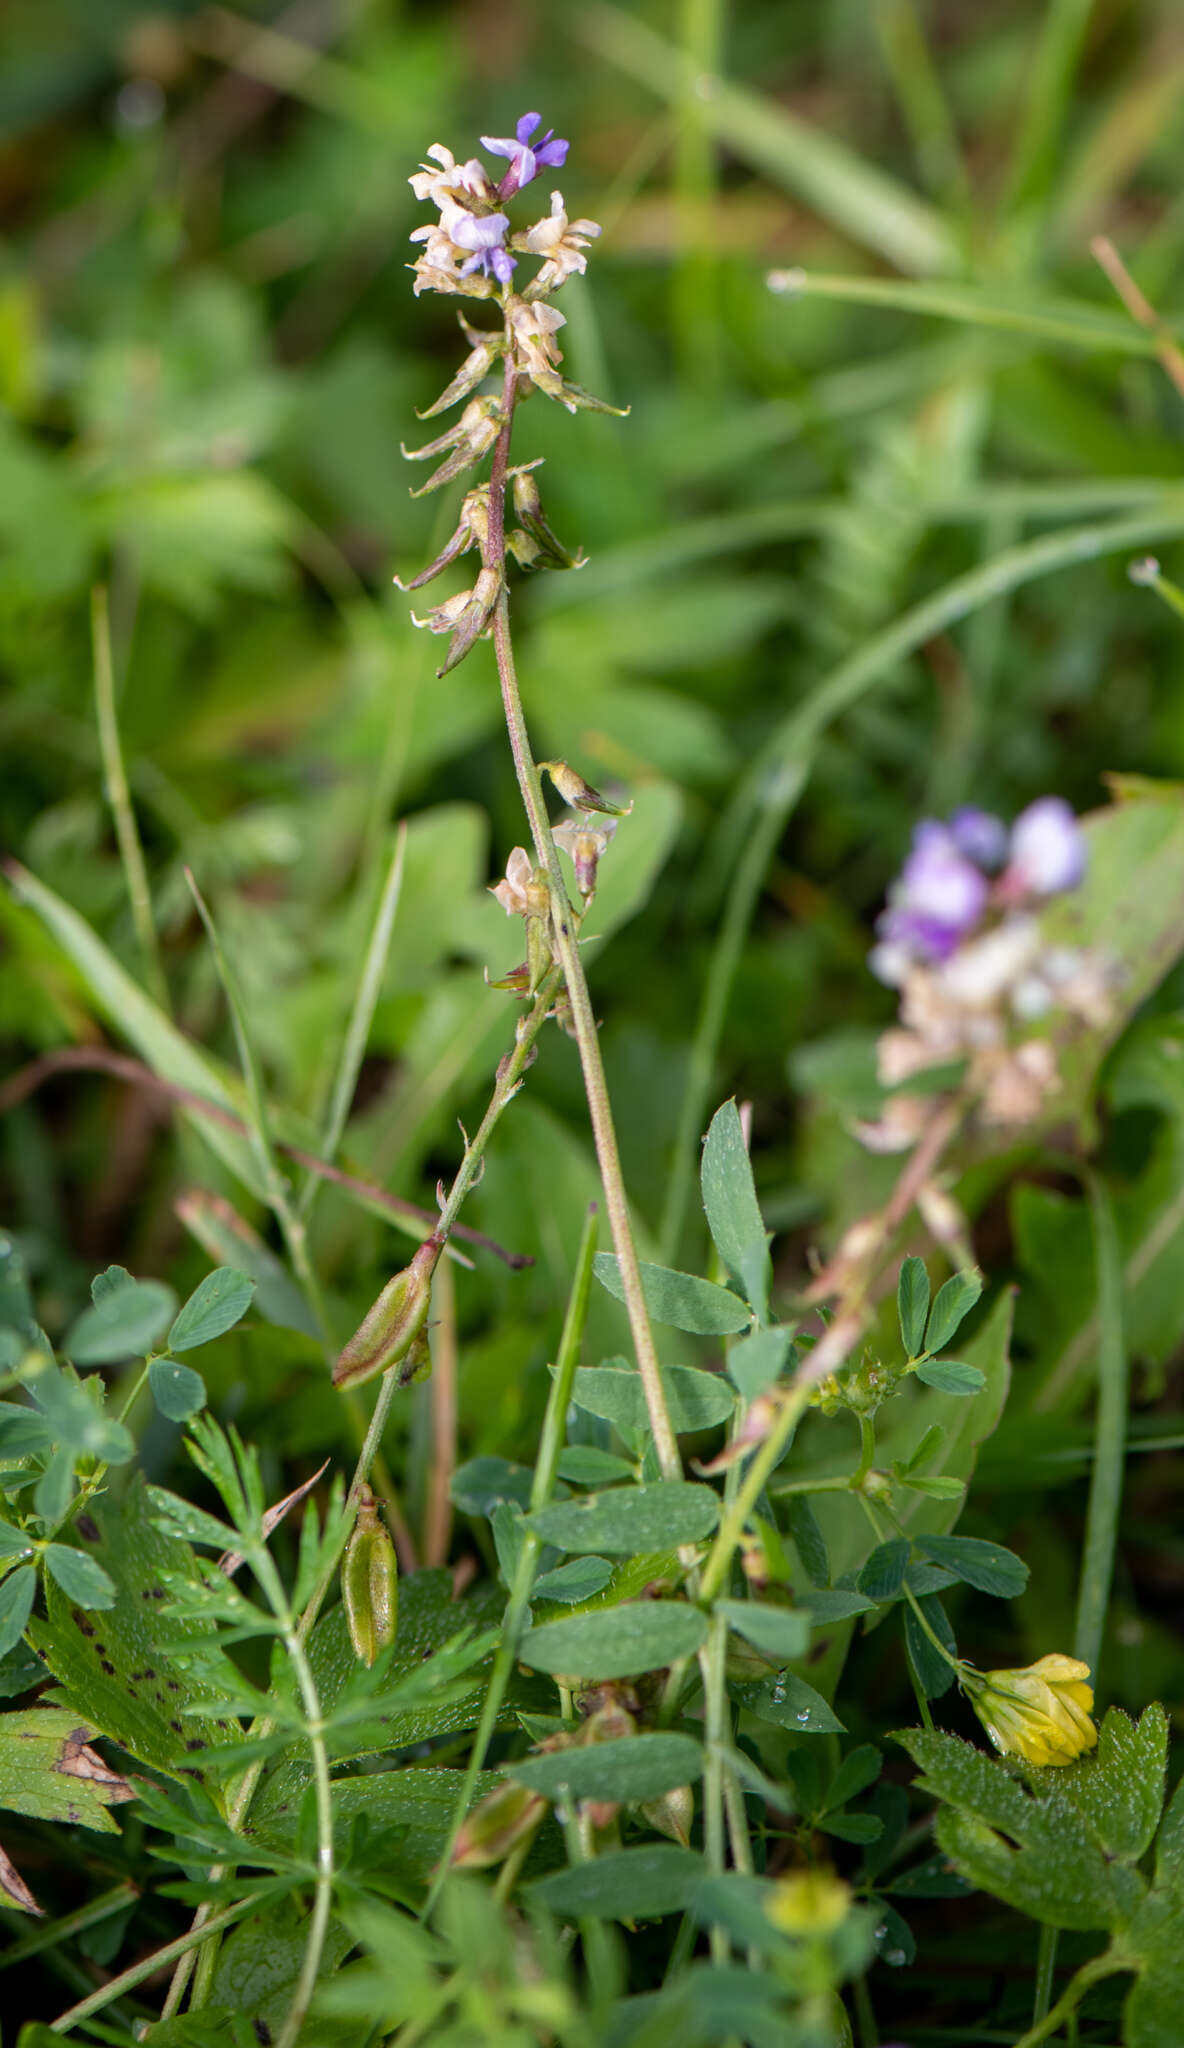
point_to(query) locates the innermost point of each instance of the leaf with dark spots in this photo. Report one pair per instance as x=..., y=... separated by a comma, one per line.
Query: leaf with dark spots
x=104, y=1665
x=49, y=1771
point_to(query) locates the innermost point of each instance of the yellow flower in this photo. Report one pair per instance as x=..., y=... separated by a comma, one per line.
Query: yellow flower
x=809, y=1902
x=1041, y=1713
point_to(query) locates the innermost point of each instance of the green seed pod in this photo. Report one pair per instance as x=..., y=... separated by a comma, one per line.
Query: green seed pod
x=370, y=1583
x=387, y=1333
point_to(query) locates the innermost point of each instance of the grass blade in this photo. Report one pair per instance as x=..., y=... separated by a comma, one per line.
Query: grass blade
x=872, y=208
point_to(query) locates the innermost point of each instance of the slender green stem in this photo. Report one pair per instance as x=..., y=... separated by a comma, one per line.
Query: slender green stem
x=302, y=1995
x=716, y=1733
x=1110, y=1429
x=867, y=1452
x=148, y=1966
x=131, y=853
x=518, y=1605
x=1089, y=1974
x=955, y=1663
x=70, y=1925
x=1046, y=1964
x=564, y=929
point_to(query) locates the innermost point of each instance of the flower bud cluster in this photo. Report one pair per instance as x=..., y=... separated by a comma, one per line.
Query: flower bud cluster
x=1041, y=1713
x=962, y=941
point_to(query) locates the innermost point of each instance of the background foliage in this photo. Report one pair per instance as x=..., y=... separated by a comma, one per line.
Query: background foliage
x=208, y=357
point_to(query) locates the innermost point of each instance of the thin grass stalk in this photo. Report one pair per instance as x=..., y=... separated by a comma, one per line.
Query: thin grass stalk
x=127, y=836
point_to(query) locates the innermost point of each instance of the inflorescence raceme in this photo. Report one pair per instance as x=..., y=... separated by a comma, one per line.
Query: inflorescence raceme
x=473, y=250
x=961, y=938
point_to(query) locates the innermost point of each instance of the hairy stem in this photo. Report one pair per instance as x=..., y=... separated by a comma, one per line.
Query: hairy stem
x=564, y=929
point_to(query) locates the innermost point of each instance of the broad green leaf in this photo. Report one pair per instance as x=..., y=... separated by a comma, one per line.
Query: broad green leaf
x=779, y=1633
x=1033, y=1849
x=912, y=1305
x=111, y=1668
x=733, y=1213
x=614, y=1391
x=419, y=1803
x=860, y=1828
x=177, y=1390
x=123, y=1323
x=573, y=1582
x=623, y=1884
x=809, y=1540
x=23, y=1432
x=789, y=1702
x=223, y=1234
x=478, y=1486
x=629, y=1519
x=259, y=1964
x=633, y=1767
x=951, y=1376
x=133, y=1014
x=585, y=1465
x=80, y=1577
x=758, y=1361
x=215, y=1306
x=681, y=1300
x=428, y=1618
x=883, y=1574
x=826, y=1605
x=16, y=1605
x=13, y=1542
x=74, y=1410
x=986, y=1566
x=616, y=1642
x=951, y=1306
x=49, y=1771
x=859, y=1769
x=1119, y=1789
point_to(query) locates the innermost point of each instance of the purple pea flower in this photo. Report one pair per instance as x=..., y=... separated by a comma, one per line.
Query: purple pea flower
x=1047, y=851
x=526, y=159
x=936, y=903
x=980, y=835
x=485, y=235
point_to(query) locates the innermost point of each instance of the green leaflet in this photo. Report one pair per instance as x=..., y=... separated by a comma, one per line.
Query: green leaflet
x=624, y=1884
x=633, y=1767
x=111, y=1667
x=49, y=1771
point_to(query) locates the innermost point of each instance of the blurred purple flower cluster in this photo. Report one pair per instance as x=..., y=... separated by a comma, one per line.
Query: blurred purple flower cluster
x=962, y=940
x=956, y=874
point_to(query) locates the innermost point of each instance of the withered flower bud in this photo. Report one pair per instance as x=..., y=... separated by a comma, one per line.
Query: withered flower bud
x=506, y=1816
x=580, y=794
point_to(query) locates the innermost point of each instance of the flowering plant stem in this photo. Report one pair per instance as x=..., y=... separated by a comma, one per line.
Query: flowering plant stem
x=505, y=1088
x=564, y=928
